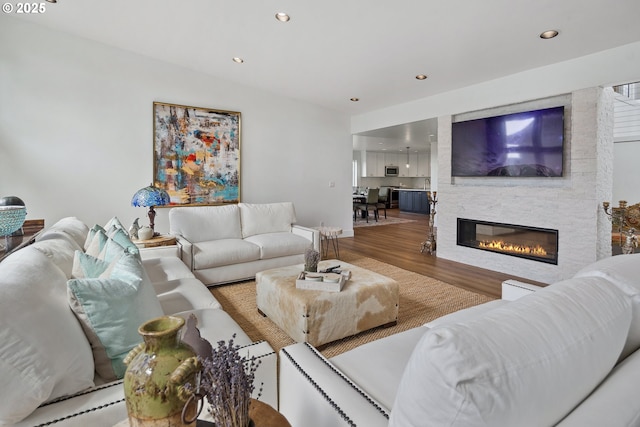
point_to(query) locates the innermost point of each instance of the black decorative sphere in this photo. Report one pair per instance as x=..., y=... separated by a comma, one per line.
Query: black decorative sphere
x=11, y=201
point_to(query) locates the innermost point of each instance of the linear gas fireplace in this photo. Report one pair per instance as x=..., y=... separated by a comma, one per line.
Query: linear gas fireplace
x=538, y=244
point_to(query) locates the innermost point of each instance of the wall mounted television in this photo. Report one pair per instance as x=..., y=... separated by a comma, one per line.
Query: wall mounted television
x=523, y=144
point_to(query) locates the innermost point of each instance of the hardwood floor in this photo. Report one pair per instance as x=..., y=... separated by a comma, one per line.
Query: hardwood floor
x=399, y=245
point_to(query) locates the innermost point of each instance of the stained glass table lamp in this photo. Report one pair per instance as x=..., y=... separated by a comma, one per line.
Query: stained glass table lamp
x=150, y=197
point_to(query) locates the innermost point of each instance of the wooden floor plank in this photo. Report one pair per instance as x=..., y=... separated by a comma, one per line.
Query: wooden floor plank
x=399, y=245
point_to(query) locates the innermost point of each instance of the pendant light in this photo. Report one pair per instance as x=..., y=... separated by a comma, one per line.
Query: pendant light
x=407, y=158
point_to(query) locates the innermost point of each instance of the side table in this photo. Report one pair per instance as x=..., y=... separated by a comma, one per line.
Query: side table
x=157, y=246
x=262, y=414
x=329, y=237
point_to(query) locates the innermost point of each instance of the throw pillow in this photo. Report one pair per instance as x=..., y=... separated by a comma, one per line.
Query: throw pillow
x=73, y=227
x=266, y=218
x=622, y=271
x=122, y=238
x=113, y=223
x=91, y=234
x=527, y=363
x=111, y=251
x=206, y=223
x=110, y=310
x=60, y=248
x=44, y=353
x=97, y=243
x=87, y=266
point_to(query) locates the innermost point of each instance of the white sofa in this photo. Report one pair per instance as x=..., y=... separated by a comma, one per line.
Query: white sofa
x=47, y=364
x=565, y=355
x=229, y=243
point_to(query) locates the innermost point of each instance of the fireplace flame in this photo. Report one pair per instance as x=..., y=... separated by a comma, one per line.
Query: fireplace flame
x=499, y=245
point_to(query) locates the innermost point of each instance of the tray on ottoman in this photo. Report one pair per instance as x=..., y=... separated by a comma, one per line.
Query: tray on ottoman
x=366, y=301
x=328, y=282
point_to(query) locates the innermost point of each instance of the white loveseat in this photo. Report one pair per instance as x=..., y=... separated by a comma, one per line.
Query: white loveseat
x=565, y=355
x=229, y=243
x=47, y=364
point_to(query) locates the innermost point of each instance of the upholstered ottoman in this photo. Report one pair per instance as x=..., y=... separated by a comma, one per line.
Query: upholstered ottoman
x=367, y=300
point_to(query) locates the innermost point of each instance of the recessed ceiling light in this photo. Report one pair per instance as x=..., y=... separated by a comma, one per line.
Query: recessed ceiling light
x=421, y=77
x=282, y=17
x=238, y=60
x=549, y=34
x=354, y=99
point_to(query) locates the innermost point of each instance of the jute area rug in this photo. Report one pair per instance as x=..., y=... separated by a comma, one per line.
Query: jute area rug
x=381, y=221
x=422, y=299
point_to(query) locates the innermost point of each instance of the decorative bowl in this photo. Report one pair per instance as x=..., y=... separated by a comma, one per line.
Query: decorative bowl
x=11, y=219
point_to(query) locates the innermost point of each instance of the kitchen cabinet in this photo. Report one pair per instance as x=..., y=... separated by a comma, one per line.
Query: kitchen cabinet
x=423, y=166
x=390, y=159
x=415, y=201
x=375, y=161
x=412, y=170
x=380, y=162
x=374, y=164
x=414, y=160
x=419, y=165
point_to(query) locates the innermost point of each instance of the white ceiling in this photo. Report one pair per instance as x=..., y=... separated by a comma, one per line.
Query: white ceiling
x=417, y=136
x=332, y=50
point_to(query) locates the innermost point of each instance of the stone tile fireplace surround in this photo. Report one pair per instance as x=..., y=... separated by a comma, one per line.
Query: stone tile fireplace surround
x=570, y=204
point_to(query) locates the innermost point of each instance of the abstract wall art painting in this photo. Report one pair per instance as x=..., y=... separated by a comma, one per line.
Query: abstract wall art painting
x=196, y=154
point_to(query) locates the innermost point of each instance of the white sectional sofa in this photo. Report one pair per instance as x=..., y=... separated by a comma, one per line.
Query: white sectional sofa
x=48, y=368
x=229, y=243
x=564, y=355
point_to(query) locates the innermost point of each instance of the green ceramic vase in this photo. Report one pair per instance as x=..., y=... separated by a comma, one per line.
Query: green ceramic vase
x=157, y=370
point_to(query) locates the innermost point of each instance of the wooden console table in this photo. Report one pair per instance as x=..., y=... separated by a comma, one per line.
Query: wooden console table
x=30, y=228
x=156, y=241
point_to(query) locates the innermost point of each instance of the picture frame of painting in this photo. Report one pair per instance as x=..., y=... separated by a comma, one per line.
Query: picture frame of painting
x=196, y=154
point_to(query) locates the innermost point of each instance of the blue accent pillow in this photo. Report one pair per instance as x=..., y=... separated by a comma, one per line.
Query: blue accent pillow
x=87, y=266
x=113, y=223
x=122, y=238
x=110, y=309
x=91, y=234
x=97, y=243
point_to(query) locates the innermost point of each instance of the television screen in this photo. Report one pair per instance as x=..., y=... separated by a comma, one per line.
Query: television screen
x=519, y=144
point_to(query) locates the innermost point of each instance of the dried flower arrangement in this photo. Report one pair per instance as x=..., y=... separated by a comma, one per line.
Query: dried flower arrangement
x=311, y=259
x=227, y=383
x=226, y=380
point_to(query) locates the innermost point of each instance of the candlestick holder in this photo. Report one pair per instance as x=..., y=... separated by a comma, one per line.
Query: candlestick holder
x=429, y=245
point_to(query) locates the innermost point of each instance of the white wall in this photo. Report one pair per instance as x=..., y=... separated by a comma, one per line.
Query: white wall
x=626, y=135
x=626, y=172
x=76, y=132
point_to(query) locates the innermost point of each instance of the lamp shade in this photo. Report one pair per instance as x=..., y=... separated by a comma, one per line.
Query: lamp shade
x=150, y=196
x=11, y=219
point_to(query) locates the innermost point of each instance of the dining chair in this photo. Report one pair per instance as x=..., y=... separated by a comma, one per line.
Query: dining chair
x=383, y=200
x=370, y=204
